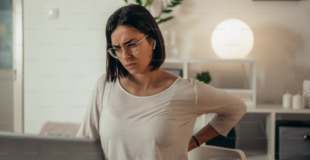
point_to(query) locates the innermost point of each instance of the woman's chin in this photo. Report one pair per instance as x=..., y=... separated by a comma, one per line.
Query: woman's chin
x=132, y=72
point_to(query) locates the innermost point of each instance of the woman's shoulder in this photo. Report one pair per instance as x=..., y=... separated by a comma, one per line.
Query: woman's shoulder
x=179, y=79
x=186, y=85
x=187, y=81
x=101, y=81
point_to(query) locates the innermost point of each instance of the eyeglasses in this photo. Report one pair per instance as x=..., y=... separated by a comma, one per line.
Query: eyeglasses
x=133, y=49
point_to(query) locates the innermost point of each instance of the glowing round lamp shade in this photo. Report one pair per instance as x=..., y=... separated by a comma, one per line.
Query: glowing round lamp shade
x=232, y=39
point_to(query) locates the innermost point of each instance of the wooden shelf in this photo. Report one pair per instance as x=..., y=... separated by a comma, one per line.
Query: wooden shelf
x=276, y=108
x=210, y=61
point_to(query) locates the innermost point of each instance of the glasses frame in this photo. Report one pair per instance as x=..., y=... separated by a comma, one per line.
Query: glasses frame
x=124, y=48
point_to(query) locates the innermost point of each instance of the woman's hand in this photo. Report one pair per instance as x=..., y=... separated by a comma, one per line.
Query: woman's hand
x=202, y=136
x=192, y=144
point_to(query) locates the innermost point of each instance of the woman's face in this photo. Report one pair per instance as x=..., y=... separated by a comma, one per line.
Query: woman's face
x=124, y=34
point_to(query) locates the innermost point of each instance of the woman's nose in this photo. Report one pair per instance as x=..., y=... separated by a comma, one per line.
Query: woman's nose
x=126, y=53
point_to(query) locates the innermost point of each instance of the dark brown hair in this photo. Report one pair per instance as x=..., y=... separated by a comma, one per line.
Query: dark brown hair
x=140, y=18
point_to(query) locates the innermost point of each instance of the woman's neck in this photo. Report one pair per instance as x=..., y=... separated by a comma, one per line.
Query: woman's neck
x=147, y=81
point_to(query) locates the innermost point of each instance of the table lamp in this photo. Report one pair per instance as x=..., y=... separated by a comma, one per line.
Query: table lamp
x=232, y=39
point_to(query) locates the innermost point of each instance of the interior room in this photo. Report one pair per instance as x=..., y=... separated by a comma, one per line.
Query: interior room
x=54, y=52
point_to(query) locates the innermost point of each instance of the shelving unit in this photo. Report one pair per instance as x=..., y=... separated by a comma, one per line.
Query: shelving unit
x=276, y=112
x=271, y=112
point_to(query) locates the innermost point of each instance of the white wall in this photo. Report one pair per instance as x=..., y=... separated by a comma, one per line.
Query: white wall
x=6, y=100
x=18, y=65
x=6, y=66
x=281, y=42
x=64, y=57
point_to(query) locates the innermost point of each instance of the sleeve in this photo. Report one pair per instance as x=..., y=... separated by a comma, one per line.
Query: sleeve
x=228, y=107
x=89, y=127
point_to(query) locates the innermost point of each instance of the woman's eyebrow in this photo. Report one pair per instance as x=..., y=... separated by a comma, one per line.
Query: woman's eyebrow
x=124, y=43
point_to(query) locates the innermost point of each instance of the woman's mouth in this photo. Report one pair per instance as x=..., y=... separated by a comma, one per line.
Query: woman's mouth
x=131, y=66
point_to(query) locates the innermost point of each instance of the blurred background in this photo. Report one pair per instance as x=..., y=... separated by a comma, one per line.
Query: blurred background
x=53, y=51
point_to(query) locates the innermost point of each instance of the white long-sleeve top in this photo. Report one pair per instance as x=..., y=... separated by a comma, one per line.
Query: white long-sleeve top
x=157, y=127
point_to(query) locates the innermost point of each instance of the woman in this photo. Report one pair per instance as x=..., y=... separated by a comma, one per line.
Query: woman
x=141, y=112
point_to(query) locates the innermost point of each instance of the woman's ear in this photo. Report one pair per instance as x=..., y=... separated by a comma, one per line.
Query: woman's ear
x=154, y=44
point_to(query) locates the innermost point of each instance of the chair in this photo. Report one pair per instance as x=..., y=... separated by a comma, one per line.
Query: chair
x=59, y=129
x=207, y=152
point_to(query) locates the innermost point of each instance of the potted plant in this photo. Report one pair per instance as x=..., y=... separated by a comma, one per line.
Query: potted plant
x=204, y=77
x=167, y=9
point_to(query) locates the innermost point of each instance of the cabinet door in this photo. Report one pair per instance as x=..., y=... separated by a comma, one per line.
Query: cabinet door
x=292, y=143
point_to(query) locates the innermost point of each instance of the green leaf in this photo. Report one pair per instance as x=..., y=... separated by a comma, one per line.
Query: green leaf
x=204, y=77
x=166, y=19
x=156, y=18
x=167, y=11
x=139, y=2
x=148, y=2
x=174, y=4
x=126, y=1
x=159, y=21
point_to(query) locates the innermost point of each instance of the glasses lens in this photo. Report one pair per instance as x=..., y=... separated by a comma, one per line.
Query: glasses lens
x=118, y=52
x=131, y=48
x=134, y=48
x=112, y=52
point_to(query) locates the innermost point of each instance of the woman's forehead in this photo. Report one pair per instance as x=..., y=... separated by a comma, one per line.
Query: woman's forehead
x=121, y=31
x=123, y=34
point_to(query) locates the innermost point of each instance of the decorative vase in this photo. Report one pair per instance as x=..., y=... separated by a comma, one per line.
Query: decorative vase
x=170, y=45
x=306, y=93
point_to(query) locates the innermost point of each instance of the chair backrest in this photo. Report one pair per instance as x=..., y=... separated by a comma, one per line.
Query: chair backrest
x=61, y=129
x=15, y=146
x=207, y=152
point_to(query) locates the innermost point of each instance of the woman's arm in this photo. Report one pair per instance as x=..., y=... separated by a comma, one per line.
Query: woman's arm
x=229, y=108
x=204, y=135
x=89, y=127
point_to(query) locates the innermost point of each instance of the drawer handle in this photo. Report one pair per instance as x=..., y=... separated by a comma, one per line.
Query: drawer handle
x=307, y=138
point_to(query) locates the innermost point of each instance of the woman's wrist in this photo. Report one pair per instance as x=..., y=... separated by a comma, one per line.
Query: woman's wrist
x=193, y=143
x=196, y=141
